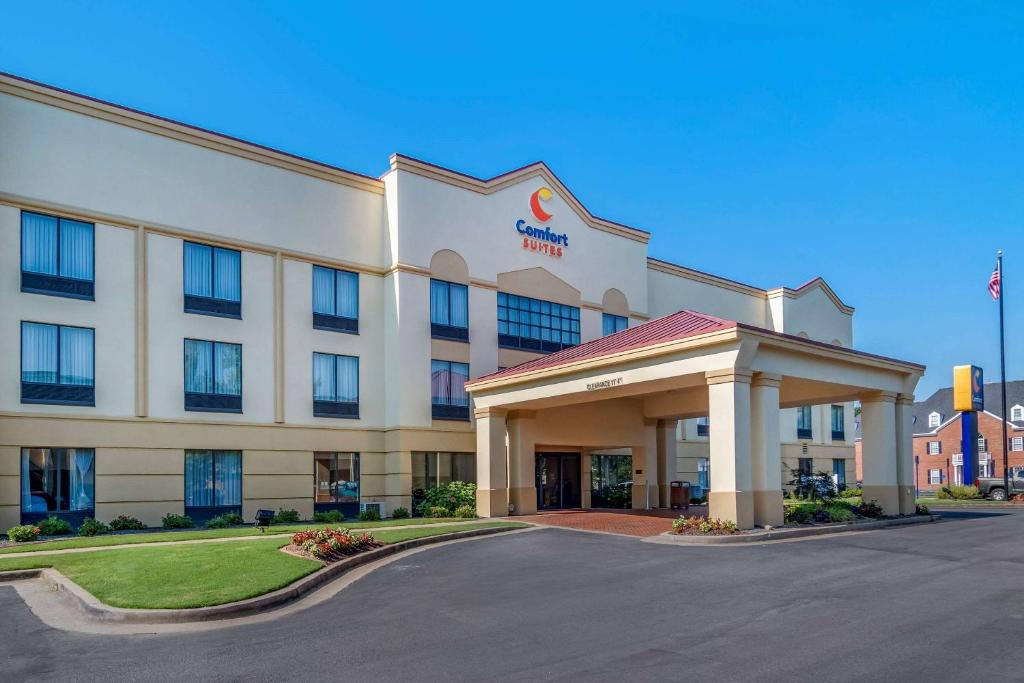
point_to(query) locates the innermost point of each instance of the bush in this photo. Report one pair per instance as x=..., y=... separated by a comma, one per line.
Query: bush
x=437, y=511
x=91, y=527
x=851, y=493
x=701, y=526
x=328, y=517
x=450, y=496
x=54, y=526
x=218, y=522
x=819, y=486
x=870, y=509
x=173, y=521
x=23, y=533
x=286, y=516
x=839, y=513
x=126, y=523
x=466, y=512
x=958, y=492
x=400, y=513
x=369, y=515
x=799, y=514
x=922, y=510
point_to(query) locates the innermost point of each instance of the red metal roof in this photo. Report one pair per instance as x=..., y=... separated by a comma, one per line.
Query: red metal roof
x=669, y=328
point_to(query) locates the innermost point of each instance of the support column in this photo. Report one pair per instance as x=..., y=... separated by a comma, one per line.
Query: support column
x=905, y=454
x=731, y=494
x=666, y=461
x=491, y=470
x=878, y=452
x=766, y=449
x=645, y=468
x=522, y=474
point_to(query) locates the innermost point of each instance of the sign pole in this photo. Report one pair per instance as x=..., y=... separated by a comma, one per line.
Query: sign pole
x=1002, y=374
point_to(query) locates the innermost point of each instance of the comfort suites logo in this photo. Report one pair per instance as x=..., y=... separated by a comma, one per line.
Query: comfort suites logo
x=541, y=239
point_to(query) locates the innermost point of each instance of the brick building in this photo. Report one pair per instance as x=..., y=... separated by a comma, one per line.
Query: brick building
x=938, y=456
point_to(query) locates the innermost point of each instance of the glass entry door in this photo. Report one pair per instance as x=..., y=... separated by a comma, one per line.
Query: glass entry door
x=558, y=480
x=611, y=481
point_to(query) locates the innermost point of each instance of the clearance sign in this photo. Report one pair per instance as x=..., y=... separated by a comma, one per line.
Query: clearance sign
x=537, y=239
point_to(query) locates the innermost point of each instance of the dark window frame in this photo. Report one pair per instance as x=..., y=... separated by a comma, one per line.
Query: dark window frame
x=73, y=517
x=56, y=285
x=349, y=508
x=212, y=402
x=804, y=432
x=616, y=319
x=507, y=340
x=703, y=429
x=838, y=434
x=56, y=393
x=332, y=322
x=211, y=305
x=448, y=332
x=201, y=513
x=336, y=409
x=448, y=411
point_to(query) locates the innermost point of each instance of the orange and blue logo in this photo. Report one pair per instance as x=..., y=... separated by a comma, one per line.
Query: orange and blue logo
x=541, y=195
x=541, y=240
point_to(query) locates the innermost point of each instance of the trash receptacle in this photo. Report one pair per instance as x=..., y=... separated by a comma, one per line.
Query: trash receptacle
x=679, y=498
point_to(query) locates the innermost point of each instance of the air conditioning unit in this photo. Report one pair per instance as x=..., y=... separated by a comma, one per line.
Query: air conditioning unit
x=381, y=508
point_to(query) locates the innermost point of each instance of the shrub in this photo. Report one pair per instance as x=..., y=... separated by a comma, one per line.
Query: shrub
x=218, y=522
x=54, y=526
x=819, y=486
x=799, y=514
x=23, y=533
x=437, y=511
x=400, y=513
x=328, y=517
x=922, y=510
x=173, y=521
x=466, y=512
x=91, y=527
x=839, y=513
x=126, y=523
x=450, y=496
x=286, y=516
x=332, y=544
x=851, y=493
x=702, y=526
x=369, y=515
x=958, y=492
x=870, y=509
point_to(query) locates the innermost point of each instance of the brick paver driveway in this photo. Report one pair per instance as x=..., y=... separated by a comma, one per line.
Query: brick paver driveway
x=627, y=522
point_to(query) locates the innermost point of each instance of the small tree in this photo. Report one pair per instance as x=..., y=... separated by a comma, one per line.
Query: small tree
x=820, y=486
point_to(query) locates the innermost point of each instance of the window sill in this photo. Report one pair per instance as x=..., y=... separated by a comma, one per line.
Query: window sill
x=335, y=323
x=449, y=333
x=531, y=345
x=446, y=412
x=219, y=308
x=213, y=403
x=55, y=285
x=839, y=436
x=804, y=434
x=336, y=409
x=40, y=393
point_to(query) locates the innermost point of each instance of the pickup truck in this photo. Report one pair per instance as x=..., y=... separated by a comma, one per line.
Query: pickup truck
x=992, y=487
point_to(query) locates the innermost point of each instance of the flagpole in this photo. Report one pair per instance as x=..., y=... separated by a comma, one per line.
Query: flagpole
x=1002, y=374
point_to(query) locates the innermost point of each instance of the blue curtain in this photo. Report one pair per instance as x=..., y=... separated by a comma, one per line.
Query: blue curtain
x=459, y=377
x=610, y=324
x=348, y=294
x=227, y=369
x=76, y=356
x=227, y=484
x=198, y=478
x=323, y=290
x=348, y=378
x=227, y=271
x=198, y=270
x=459, y=302
x=838, y=421
x=27, y=501
x=38, y=243
x=82, y=479
x=440, y=393
x=439, y=313
x=803, y=417
x=325, y=386
x=198, y=366
x=39, y=353
x=76, y=249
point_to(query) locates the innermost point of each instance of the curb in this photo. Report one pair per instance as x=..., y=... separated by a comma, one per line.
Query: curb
x=88, y=604
x=670, y=537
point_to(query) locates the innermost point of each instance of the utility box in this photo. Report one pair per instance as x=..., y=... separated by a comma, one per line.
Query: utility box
x=679, y=498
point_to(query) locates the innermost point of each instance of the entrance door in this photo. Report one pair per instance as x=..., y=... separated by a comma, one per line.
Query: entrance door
x=558, y=480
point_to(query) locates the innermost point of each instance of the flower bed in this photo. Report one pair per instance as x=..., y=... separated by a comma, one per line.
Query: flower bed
x=702, y=526
x=330, y=545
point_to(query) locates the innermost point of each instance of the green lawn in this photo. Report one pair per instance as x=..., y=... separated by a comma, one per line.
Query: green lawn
x=197, y=575
x=791, y=501
x=194, y=534
x=939, y=502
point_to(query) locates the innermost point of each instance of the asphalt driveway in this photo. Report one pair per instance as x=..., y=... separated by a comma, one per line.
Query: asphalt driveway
x=939, y=602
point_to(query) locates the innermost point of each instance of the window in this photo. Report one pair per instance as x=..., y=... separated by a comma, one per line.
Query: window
x=448, y=397
x=1017, y=414
x=934, y=447
x=934, y=420
x=213, y=280
x=535, y=325
x=335, y=385
x=803, y=422
x=704, y=473
x=703, y=426
x=610, y=324
x=57, y=480
x=213, y=376
x=449, y=310
x=985, y=468
x=838, y=423
x=806, y=466
x=934, y=477
x=213, y=483
x=336, y=482
x=335, y=300
x=57, y=365
x=430, y=470
x=982, y=444
x=57, y=256
x=839, y=472
x=1017, y=443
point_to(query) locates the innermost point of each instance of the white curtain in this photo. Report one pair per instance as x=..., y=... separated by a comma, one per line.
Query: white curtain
x=81, y=463
x=325, y=386
x=227, y=270
x=323, y=290
x=38, y=353
x=227, y=369
x=459, y=305
x=348, y=378
x=198, y=366
x=439, y=313
x=198, y=270
x=198, y=478
x=76, y=356
x=228, y=478
x=440, y=393
x=76, y=249
x=26, y=481
x=459, y=377
x=38, y=243
x=347, y=294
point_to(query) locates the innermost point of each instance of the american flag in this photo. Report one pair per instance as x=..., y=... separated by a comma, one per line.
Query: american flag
x=994, y=283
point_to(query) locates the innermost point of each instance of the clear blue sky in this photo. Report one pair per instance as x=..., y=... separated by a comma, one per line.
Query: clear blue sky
x=880, y=145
